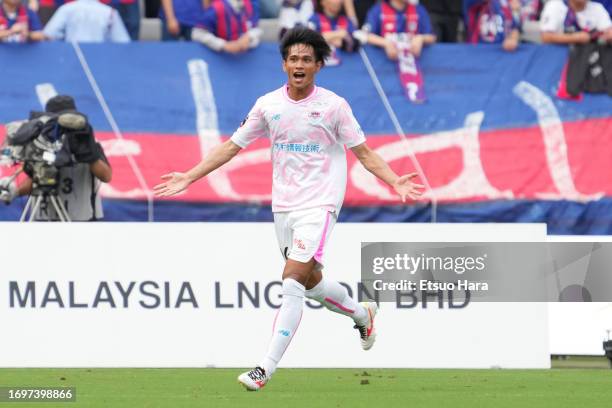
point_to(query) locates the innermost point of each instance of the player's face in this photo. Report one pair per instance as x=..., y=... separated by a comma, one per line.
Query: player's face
x=301, y=66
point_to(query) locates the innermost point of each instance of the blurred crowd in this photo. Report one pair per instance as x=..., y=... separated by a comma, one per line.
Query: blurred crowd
x=233, y=26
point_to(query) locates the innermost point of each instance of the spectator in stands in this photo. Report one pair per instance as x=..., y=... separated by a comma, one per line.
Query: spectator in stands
x=445, y=17
x=294, y=13
x=526, y=10
x=18, y=23
x=577, y=22
x=179, y=17
x=86, y=21
x=607, y=5
x=229, y=25
x=298, y=12
x=491, y=22
x=129, y=10
x=391, y=21
x=331, y=21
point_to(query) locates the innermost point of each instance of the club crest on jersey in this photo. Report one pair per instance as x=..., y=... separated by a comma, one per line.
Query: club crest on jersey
x=299, y=243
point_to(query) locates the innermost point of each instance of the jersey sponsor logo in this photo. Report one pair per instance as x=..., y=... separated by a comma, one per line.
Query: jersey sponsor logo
x=285, y=333
x=297, y=147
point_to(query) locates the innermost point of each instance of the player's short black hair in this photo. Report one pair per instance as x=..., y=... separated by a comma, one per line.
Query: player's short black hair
x=303, y=35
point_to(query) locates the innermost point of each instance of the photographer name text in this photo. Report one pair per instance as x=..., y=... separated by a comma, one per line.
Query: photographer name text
x=426, y=285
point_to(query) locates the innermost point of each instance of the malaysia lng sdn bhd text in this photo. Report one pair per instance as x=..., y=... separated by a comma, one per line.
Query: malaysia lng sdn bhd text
x=412, y=264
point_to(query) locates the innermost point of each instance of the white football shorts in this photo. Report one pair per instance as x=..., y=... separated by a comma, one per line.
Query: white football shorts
x=303, y=234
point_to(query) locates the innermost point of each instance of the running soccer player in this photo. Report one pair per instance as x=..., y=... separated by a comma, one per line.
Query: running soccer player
x=308, y=127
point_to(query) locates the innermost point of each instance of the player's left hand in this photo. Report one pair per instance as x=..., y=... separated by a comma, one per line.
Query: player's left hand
x=173, y=184
x=404, y=187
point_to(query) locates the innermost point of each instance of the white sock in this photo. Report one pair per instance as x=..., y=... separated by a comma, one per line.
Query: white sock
x=336, y=298
x=286, y=323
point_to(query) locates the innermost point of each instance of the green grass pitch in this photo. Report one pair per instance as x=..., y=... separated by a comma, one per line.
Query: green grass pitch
x=329, y=388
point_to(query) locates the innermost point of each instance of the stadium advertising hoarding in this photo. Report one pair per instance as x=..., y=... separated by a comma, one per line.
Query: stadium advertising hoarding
x=192, y=295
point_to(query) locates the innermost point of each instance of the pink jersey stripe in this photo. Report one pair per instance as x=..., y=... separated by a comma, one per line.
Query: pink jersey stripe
x=339, y=306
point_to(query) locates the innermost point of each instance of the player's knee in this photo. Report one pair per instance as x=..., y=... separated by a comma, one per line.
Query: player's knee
x=299, y=271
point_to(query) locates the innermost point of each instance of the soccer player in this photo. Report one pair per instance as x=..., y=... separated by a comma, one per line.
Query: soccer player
x=308, y=127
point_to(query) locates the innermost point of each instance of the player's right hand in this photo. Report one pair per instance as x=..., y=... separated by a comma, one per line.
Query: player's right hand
x=173, y=184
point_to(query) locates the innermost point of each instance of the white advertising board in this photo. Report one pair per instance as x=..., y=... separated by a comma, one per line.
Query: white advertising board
x=204, y=294
x=579, y=328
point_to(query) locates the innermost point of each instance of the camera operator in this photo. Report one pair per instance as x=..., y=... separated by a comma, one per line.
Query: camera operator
x=80, y=178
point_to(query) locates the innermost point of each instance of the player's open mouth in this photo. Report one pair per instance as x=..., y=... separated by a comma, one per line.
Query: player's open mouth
x=299, y=75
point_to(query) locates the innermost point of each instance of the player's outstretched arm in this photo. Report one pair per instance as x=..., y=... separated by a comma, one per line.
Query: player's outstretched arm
x=176, y=182
x=402, y=185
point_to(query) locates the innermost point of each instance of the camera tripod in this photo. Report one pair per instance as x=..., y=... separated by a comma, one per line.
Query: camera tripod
x=35, y=201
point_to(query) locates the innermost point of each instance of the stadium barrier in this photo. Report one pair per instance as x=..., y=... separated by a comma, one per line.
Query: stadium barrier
x=195, y=295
